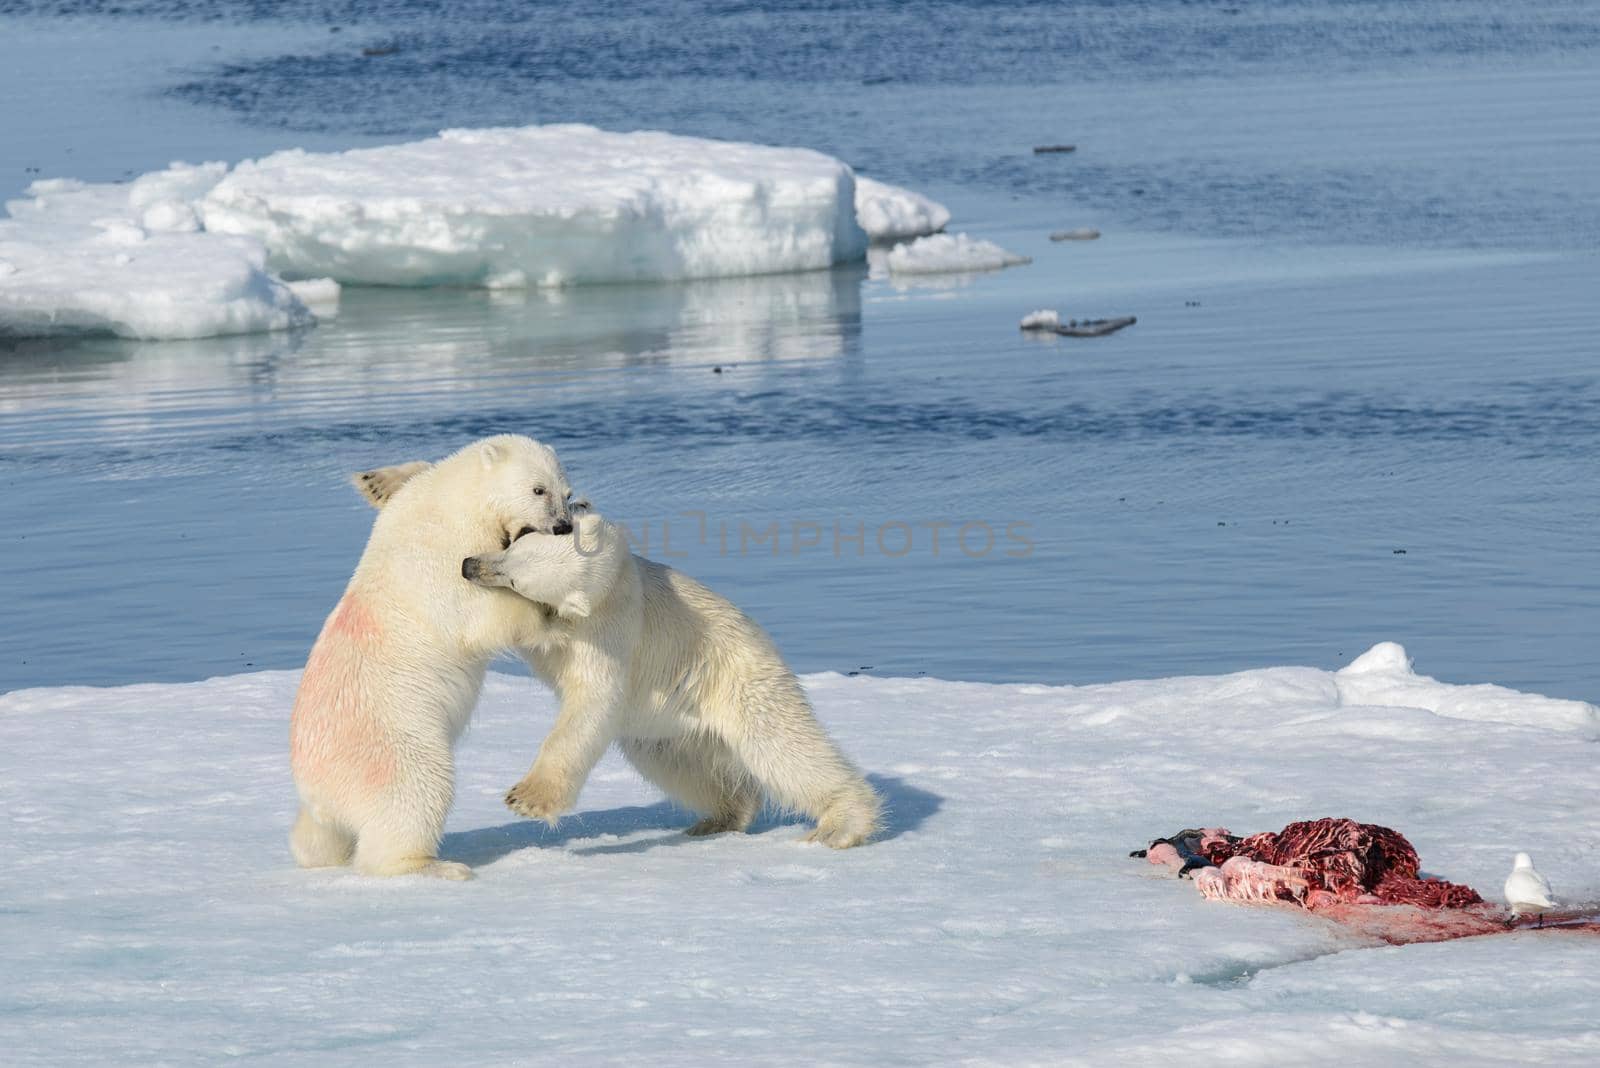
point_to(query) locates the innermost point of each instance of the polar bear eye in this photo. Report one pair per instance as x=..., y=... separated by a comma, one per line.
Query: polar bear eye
x=538, y=491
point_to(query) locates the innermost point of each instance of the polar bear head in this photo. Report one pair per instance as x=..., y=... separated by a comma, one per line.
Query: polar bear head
x=512, y=484
x=573, y=574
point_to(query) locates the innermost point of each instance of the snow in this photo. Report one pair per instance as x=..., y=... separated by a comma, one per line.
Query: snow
x=890, y=213
x=947, y=253
x=1043, y=319
x=543, y=206
x=1384, y=674
x=132, y=259
x=151, y=913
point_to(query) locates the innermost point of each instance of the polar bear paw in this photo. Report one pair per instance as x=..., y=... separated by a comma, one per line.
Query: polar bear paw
x=446, y=869
x=851, y=820
x=432, y=867
x=538, y=798
x=723, y=824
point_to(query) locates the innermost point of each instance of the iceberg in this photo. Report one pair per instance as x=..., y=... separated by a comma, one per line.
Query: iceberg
x=542, y=206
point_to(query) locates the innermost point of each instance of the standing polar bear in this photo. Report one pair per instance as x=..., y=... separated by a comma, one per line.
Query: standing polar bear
x=692, y=690
x=394, y=675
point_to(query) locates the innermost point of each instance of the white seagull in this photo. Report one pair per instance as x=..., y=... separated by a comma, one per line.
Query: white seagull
x=1526, y=889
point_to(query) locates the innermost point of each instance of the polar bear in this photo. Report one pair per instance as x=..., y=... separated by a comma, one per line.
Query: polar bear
x=396, y=670
x=692, y=690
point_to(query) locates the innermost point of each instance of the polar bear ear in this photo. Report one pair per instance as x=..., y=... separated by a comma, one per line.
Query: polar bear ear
x=379, y=484
x=489, y=453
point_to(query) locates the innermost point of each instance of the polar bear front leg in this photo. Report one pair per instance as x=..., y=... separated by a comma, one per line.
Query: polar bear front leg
x=591, y=699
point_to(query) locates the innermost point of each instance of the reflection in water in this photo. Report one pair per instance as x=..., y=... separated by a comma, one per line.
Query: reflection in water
x=392, y=352
x=947, y=281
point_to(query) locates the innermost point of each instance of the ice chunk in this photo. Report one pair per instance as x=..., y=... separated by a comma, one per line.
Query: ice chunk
x=66, y=280
x=321, y=295
x=130, y=260
x=1043, y=319
x=889, y=213
x=183, y=182
x=543, y=206
x=69, y=200
x=941, y=253
x=170, y=216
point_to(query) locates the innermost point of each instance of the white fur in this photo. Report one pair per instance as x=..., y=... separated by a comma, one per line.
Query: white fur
x=395, y=673
x=691, y=689
x=572, y=573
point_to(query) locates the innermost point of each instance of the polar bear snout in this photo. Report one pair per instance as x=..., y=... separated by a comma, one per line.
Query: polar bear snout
x=562, y=527
x=481, y=570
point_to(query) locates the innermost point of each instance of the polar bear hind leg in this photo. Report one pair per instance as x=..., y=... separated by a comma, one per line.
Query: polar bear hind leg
x=399, y=823
x=702, y=774
x=779, y=740
x=390, y=848
x=318, y=844
x=383, y=848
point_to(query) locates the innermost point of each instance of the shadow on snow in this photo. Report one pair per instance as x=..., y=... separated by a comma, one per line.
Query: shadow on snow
x=906, y=808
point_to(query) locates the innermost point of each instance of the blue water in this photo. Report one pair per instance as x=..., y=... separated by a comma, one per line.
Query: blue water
x=1361, y=402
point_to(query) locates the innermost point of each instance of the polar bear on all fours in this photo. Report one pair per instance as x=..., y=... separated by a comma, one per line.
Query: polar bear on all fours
x=692, y=690
x=394, y=675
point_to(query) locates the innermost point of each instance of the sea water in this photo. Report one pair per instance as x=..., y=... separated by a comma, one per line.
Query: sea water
x=1360, y=402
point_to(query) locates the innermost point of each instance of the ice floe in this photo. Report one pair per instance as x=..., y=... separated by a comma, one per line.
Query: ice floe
x=543, y=206
x=948, y=253
x=193, y=251
x=321, y=295
x=156, y=914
